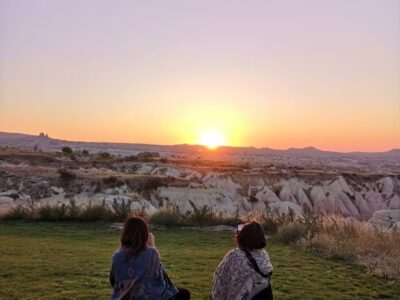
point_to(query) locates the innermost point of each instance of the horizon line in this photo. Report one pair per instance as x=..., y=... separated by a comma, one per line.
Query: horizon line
x=199, y=145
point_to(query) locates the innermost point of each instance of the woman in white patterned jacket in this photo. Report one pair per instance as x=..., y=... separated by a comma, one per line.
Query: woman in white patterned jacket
x=245, y=272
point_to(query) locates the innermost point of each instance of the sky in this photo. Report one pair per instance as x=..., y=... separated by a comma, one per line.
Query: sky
x=267, y=73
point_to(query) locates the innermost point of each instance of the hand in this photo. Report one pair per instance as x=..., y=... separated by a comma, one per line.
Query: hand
x=151, y=241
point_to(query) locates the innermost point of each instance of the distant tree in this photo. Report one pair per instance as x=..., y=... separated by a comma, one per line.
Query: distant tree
x=105, y=155
x=131, y=158
x=148, y=156
x=85, y=152
x=66, y=174
x=67, y=150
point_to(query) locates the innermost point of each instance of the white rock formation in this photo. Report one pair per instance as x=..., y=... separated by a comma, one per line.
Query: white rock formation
x=386, y=219
x=228, y=193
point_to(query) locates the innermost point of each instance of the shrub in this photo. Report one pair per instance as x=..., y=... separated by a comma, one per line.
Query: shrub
x=203, y=216
x=98, y=212
x=104, y=155
x=233, y=221
x=17, y=213
x=52, y=213
x=151, y=184
x=85, y=152
x=66, y=175
x=291, y=233
x=131, y=158
x=169, y=216
x=328, y=246
x=71, y=212
x=270, y=226
x=112, y=181
x=121, y=209
x=74, y=211
x=350, y=240
x=147, y=156
x=66, y=150
x=230, y=221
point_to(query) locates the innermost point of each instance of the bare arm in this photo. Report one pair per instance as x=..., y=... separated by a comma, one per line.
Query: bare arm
x=151, y=240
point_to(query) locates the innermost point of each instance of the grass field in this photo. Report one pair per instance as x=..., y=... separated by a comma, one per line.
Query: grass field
x=71, y=261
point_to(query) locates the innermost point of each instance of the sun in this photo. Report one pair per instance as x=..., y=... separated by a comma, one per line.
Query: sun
x=212, y=139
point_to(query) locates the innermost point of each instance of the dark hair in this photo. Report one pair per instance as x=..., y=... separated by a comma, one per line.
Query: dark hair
x=251, y=237
x=134, y=235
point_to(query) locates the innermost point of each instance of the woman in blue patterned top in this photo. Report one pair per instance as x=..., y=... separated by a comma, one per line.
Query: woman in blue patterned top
x=136, y=271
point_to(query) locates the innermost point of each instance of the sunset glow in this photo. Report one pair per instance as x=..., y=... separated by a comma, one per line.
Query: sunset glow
x=275, y=74
x=212, y=139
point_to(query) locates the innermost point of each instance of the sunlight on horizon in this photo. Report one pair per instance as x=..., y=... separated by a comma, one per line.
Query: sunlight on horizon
x=210, y=124
x=212, y=139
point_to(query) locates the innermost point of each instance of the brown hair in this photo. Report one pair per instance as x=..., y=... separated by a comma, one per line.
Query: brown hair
x=134, y=235
x=251, y=237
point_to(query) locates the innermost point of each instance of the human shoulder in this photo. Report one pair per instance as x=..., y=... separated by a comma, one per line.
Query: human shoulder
x=150, y=250
x=232, y=254
x=118, y=257
x=150, y=253
x=260, y=252
x=117, y=253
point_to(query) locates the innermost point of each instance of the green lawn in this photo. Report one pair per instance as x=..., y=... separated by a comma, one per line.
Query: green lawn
x=71, y=261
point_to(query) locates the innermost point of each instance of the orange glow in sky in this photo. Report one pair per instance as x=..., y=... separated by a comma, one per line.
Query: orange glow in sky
x=275, y=74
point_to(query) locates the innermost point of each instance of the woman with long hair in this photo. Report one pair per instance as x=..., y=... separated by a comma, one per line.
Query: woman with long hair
x=245, y=272
x=136, y=270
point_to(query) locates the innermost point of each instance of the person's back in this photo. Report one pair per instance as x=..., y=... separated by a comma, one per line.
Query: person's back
x=136, y=269
x=245, y=273
x=142, y=276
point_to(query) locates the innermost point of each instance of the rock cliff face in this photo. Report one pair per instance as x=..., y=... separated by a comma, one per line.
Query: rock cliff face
x=152, y=185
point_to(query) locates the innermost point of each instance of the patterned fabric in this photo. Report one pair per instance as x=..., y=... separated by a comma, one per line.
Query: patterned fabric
x=140, y=278
x=236, y=279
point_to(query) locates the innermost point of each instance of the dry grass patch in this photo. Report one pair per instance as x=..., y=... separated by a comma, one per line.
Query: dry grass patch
x=351, y=240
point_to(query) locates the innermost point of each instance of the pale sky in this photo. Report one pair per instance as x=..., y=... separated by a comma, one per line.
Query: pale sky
x=261, y=73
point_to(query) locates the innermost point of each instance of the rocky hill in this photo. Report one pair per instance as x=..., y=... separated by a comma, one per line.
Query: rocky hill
x=230, y=188
x=309, y=157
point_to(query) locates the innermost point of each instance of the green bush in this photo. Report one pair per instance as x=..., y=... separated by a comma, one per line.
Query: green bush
x=291, y=232
x=147, y=156
x=67, y=150
x=66, y=175
x=74, y=211
x=97, y=212
x=203, y=216
x=121, y=210
x=52, y=213
x=231, y=221
x=270, y=226
x=71, y=212
x=151, y=184
x=104, y=155
x=169, y=216
x=18, y=213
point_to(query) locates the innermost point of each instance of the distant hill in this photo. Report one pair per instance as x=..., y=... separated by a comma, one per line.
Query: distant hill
x=43, y=142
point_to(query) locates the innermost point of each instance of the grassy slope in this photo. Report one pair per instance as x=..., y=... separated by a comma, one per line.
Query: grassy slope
x=71, y=261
